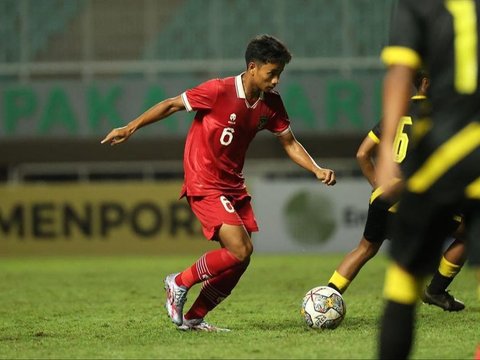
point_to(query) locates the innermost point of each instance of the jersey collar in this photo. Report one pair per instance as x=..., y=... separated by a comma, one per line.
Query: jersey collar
x=241, y=91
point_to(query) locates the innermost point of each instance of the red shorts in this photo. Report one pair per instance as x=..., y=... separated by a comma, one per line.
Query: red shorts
x=215, y=210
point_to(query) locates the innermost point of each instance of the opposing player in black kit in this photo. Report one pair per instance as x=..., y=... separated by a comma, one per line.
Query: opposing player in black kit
x=381, y=211
x=442, y=171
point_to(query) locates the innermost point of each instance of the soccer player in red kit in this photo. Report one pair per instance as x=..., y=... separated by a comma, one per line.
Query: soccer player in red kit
x=229, y=113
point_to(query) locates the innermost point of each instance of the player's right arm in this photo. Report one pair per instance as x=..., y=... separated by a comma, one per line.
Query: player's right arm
x=301, y=157
x=157, y=112
x=365, y=155
x=396, y=95
x=402, y=56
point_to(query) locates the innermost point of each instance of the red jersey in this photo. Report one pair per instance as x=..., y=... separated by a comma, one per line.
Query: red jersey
x=223, y=128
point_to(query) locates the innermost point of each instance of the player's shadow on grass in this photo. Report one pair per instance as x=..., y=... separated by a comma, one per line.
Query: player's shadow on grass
x=353, y=323
x=469, y=308
x=279, y=325
x=350, y=323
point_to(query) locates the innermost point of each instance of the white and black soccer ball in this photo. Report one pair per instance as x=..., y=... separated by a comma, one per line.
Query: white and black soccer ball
x=323, y=308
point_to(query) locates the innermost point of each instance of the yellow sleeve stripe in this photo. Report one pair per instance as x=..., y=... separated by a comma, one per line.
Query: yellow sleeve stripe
x=399, y=55
x=374, y=137
x=446, y=156
x=401, y=286
x=376, y=193
x=473, y=190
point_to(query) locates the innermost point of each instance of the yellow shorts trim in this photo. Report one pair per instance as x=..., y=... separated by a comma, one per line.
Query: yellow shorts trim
x=401, y=286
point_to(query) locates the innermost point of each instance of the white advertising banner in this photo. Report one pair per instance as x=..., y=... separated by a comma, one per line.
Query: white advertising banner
x=307, y=216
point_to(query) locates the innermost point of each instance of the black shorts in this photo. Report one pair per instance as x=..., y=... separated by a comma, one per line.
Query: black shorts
x=378, y=226
x=378, y=221
x=439, y=170
x=419, y=230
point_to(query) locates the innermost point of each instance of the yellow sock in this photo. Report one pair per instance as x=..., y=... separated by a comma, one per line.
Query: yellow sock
x=448, y=269
x=340, y=282
x=401, y=286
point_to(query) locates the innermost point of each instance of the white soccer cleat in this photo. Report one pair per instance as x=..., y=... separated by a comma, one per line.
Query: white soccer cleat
x=176, y=298
x=200, y=325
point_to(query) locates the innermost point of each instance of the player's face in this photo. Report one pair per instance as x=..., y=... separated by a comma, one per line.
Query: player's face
x=266, y=76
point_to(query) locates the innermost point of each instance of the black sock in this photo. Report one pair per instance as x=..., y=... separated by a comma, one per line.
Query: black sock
x=439, y=283
x=334, y=287
x=396, y=332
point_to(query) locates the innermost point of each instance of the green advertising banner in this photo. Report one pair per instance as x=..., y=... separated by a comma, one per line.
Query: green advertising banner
x=315, y=103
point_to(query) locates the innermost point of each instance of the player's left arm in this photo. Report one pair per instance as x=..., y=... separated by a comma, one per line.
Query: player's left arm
x=300, y=156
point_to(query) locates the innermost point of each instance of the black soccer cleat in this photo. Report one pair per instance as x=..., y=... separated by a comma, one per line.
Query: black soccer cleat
x=443, y=300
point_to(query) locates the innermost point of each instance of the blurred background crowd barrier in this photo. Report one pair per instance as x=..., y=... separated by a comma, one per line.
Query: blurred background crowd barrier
x=70, y=70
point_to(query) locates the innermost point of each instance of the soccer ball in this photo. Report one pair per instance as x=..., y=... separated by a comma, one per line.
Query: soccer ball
x=323, y=308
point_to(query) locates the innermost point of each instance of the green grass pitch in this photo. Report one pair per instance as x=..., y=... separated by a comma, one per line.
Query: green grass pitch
x=112, y=307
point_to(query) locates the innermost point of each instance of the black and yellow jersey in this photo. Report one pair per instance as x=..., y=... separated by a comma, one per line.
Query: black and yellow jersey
x=443, y=37
x=401, y=142
x=404, y=129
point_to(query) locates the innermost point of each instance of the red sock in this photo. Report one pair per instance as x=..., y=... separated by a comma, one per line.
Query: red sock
x=215, y=290
x=208, y=266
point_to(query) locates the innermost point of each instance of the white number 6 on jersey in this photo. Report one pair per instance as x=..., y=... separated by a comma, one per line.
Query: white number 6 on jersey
x=227, y=204
x=227, y=136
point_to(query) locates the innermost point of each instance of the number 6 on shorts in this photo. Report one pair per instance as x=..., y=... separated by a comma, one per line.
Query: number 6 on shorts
x=227, y=204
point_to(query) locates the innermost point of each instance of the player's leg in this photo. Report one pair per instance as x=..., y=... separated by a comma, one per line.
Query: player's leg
x=396, y=329
x=416, y=243
x=373, y=237
x=472, y=221
x=237, y=240
x=477, y=272
x=212, y=213
x=211, y=264
x=477, y=352
x=217, y=289
x=450, y=265
x=352, y=263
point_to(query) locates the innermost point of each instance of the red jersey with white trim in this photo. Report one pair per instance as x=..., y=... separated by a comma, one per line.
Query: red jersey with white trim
x=223, y=128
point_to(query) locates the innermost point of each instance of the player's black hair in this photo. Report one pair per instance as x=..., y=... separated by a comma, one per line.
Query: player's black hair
x=267, y=49
x=419, y=75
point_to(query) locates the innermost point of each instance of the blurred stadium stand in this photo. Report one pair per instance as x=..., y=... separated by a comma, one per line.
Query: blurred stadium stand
x=74, y=37
x=91, y=41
